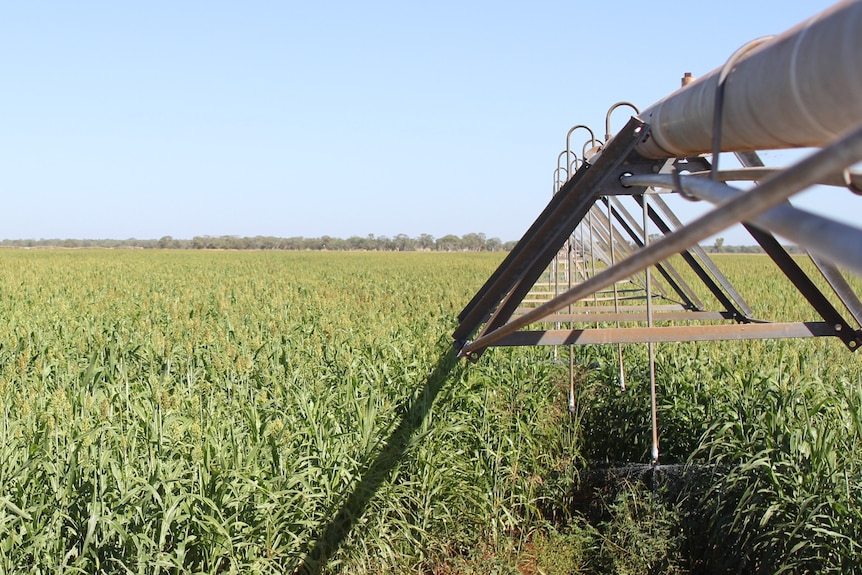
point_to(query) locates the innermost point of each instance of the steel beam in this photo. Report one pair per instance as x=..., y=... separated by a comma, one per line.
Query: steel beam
x=627, y=316
x=594, y=336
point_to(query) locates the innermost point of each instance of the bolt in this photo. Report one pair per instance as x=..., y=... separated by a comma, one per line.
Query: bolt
x=837, y=327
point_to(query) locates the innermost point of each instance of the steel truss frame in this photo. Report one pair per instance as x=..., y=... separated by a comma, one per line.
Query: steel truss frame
x=662, y=150
x=618, y=171
x=773, y=93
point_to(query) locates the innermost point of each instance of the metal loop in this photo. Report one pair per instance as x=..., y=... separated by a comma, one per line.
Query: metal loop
x=569, y=137
x=608, y=134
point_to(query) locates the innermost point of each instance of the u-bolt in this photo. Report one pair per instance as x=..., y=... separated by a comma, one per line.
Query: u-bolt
x=569, y=137
x=608, y=134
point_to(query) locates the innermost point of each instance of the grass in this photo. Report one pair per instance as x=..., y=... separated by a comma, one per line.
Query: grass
x=768, y=430
x=251, y=412
x=211, y=413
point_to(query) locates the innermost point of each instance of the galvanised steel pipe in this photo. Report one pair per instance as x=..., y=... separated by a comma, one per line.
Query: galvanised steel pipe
x=851, y=179
x=799, y=89
x=835, y=241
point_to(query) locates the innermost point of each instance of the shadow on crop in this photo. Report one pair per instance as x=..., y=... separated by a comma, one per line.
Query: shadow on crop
x=334, y=534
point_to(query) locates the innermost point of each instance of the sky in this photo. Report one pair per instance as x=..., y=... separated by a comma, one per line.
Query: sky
x=161, y=118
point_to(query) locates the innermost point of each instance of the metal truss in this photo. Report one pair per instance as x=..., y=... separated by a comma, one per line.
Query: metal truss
x=611, y=273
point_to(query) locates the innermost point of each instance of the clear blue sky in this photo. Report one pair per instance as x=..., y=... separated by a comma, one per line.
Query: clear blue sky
x=146, y=119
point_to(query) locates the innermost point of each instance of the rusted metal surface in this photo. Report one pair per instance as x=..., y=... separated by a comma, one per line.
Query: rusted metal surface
x=594, y=336
x=658, y=316
x=610, y=308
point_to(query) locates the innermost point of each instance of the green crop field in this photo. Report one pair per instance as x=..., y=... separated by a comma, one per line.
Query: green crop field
x=260, y=412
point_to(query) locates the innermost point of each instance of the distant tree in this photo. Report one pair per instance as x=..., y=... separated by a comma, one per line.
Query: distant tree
x=425, y=242
x=370, y=243
x=383, y=244
x=473, y=242
x=448, y=243
x=166, y=242
x=292, y=243
x=229, y=243
x=493, y=244
x=197, y=243
x=270, y=243
x=312, y=244
x=336, y=244
x=719, y=245
x=403, y=243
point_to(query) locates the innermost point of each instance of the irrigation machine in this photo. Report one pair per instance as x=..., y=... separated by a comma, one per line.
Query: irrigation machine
x=604, y=262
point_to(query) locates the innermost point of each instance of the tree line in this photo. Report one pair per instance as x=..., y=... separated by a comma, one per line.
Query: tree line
x=471, y=242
